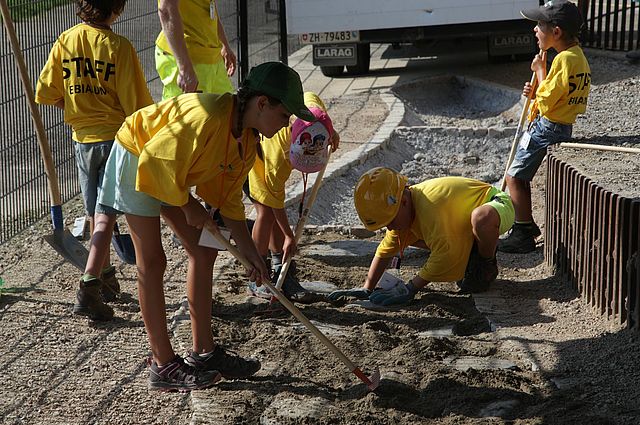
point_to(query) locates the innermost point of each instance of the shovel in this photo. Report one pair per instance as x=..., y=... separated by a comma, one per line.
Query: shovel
x=123, y=245
x=62, y=240
x=303, y=220
x=521, y=121
x=371, y=382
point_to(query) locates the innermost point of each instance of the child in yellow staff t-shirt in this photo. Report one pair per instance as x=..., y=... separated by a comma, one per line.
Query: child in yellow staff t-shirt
x=561, y=95
x=94, y=75
x=208, y=141
x=267, y=179
x=448, y=216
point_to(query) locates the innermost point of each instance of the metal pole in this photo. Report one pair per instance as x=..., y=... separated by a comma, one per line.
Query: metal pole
x=243, y=36
x=282, y=20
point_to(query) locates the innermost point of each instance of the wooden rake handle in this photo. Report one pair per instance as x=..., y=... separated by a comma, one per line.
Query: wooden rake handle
x=521, y=121
x=303, y=219
x=291, y=307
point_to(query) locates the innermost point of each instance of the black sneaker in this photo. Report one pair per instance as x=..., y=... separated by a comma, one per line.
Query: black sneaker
x=179, y=376
x=110, y=286
x=89, y=301
x=230, y=364
x=291, y=287
x=521, y=240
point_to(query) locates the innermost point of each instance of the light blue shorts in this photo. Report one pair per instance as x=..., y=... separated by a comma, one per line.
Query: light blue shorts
x=501, y=202
x=543, y=133
x=119, y=185
x=91, y=159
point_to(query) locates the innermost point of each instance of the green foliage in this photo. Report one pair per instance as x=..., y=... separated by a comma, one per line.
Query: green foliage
x=22, y=10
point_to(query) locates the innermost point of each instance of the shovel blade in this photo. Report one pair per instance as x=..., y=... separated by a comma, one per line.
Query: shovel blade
x=69, y=247
x=123, y=245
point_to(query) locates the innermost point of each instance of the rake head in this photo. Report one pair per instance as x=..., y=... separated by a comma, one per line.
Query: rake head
x=372, y=382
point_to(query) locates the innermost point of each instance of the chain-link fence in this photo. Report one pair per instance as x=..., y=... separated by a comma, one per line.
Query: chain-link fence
x=252, y=28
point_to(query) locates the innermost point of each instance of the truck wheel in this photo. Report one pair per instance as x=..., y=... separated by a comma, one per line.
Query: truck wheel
x=332, y=71
x=364, y=59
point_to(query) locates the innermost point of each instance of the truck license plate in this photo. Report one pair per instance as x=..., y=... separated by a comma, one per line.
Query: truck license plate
x=330, y=37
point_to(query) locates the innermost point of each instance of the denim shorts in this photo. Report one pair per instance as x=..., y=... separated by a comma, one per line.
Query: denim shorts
x=543, y=133
x=91, y=159
x=119, y=185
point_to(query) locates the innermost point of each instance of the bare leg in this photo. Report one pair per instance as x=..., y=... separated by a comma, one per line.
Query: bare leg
x=485, y=224
x=100, y=240
x=263, y=228
x=151, y=263
x=520, y=192
x=199, y=278
x=276, y=241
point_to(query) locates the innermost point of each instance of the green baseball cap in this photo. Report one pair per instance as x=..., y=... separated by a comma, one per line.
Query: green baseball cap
x=278, y=80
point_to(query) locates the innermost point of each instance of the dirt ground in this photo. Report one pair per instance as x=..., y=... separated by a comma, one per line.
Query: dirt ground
x=529, y=351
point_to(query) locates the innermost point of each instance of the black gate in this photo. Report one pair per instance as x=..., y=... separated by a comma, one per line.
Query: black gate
x=610, y=24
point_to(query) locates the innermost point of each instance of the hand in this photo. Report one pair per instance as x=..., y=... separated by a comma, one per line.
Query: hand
x=229, y=60
x=539, y=62
x=527, y=90
x=259, y=272
x=402, y=293
x=347, y=294
x=188, y=80
x=289, y=248
x=334, y=141
x=196, y=215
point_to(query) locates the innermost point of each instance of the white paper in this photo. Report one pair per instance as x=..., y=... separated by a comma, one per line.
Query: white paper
x=207, y=239
x=524, y=140
x=389, y=281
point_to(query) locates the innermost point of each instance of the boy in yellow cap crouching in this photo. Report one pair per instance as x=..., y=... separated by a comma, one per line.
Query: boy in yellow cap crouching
x=457, y=219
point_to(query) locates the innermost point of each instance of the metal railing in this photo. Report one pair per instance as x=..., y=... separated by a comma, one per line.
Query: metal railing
x=611, y=24
x=24, y=197
x=592, y=239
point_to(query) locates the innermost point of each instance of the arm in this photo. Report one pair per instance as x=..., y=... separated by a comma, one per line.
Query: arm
x=227, y=52
x=173, y=29
x=376, y=269
x=539, y=66
x=59, y=104
x=245, y=244
x=290, y=247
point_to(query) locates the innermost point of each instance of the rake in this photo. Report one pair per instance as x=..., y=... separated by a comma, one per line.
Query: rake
x=371, y=382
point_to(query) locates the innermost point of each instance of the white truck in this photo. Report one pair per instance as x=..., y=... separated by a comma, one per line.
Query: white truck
x=341, y=30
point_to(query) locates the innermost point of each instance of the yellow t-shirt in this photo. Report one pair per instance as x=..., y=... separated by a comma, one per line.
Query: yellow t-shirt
x=98, y=75
x=200, y=31
x=186, y=141
x=564, y=92
x=442, y=220
x=269, y=175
